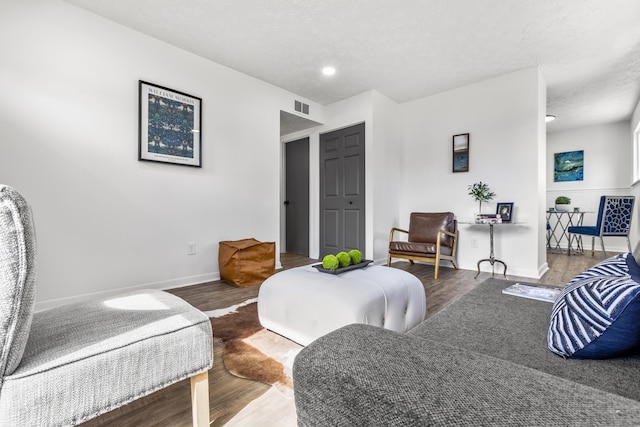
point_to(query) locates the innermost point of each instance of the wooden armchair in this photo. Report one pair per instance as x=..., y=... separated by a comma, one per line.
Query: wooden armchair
x=431, y=238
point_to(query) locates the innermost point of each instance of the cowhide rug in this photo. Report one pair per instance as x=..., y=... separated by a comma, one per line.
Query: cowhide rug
x=251, y=351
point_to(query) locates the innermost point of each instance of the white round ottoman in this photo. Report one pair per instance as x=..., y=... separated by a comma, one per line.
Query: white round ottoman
x=303, y=304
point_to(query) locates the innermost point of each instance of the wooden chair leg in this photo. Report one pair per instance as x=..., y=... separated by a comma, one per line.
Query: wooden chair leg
x=200, y=399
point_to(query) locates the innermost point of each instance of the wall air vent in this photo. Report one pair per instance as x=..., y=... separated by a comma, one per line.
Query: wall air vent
x=301, y=107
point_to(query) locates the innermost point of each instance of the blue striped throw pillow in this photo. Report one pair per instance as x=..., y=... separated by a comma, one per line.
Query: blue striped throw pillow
x=597, y=315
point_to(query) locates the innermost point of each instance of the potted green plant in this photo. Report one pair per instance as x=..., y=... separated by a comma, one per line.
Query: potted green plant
x=563, y=204
x=481, y=193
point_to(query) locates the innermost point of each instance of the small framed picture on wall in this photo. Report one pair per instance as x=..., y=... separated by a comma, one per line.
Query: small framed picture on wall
x=461, y=152
x=568, y=166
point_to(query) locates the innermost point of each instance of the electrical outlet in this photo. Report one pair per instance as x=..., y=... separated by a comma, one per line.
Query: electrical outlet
x=474, y=243
x=191, y=248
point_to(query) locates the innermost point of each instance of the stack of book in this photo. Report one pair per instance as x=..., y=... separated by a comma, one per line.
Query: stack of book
x=488, y=219
x=542, y=293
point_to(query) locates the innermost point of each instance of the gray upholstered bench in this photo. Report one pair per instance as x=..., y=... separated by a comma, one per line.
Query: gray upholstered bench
x=69, y=364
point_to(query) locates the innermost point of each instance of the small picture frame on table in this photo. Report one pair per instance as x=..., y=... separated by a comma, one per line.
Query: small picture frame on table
x=505, y=211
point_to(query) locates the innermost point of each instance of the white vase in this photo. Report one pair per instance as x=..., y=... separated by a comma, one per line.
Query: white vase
x=563, y=208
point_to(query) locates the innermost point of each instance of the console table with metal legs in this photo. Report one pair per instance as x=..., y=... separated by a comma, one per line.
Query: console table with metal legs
x=492, y=259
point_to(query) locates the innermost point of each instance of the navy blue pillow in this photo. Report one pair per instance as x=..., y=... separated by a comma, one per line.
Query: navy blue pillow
x=597, y=315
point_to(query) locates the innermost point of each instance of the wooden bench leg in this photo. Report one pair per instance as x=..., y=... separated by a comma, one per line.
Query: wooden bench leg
x=200, y=399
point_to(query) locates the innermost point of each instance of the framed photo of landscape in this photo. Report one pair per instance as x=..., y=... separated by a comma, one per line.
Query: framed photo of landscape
x=169, y=126
x=461, y=152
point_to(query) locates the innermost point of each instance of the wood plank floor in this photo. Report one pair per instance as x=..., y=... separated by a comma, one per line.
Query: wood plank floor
x=240, y=402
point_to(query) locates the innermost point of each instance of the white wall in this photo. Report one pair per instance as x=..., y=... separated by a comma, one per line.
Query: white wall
x=505, y=119
x=106, y=221
x=408, y=164
x=69, y=120
x=607, y=170
x=635, y=119
x=542, y=182
x=635, y=188
x=386, y=172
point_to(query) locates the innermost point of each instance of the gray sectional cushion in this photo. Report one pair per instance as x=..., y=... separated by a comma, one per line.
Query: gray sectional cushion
x=130, y=345
x=482, y=361
x=515, y=329
x=17, y=277
x=361, y=375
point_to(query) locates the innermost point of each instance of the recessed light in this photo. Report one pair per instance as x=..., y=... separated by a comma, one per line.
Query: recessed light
x=549, y=118
x=328, y=71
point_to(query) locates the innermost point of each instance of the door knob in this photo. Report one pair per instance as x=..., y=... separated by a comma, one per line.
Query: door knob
x=286, y=202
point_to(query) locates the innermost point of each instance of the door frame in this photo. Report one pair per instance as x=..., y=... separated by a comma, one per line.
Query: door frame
x=313, y=133
x=286, y=209
x=283, y=189
x=360, y=129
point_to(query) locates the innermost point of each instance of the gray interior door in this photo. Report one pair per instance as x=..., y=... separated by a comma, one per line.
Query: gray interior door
x=297, y=196
x=342, y=207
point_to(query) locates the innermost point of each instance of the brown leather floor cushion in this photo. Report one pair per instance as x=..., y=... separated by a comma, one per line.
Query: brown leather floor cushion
x=246, y=262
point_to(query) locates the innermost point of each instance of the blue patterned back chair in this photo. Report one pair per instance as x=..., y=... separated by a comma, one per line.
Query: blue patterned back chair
x=614, y=219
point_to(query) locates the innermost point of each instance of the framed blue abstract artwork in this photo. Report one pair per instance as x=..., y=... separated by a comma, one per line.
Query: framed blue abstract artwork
x=461, y=153
x=568, y=166
x=169, y=124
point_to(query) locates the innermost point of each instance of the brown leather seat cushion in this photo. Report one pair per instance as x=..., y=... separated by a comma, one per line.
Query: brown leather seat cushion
x=413, y=248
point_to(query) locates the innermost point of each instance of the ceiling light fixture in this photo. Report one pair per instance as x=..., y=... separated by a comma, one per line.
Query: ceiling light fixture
x=549, y=118
x=328, y=71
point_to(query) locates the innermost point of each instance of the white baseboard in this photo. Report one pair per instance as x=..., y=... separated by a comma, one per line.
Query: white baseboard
x=162, y=285
x=543, y=269
x=586, y=246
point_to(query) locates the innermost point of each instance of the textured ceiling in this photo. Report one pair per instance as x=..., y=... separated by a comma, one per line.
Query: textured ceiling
x=588, y=50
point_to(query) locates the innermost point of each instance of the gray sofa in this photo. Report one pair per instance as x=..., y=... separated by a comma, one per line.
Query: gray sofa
x=483, y=360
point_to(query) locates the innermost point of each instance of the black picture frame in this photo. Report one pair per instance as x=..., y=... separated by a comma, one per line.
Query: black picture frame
x=169, y=126
x=505, y=211
x=461, y=152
